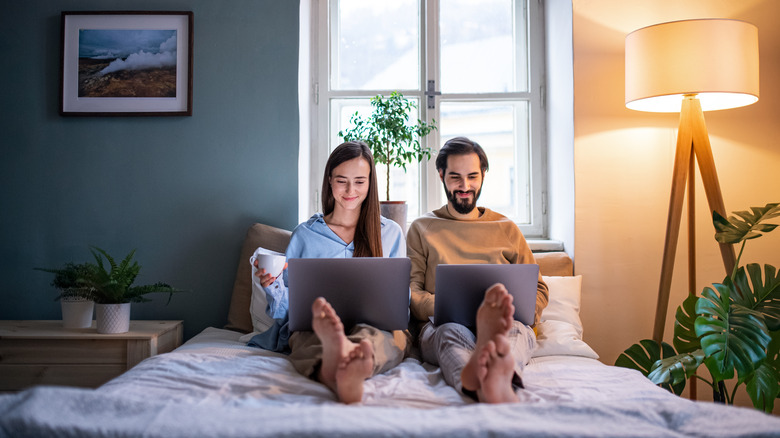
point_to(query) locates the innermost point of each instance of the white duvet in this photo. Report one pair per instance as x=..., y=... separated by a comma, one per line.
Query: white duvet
x=215, y=386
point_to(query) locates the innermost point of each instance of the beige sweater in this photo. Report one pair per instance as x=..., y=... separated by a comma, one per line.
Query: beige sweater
x=439, y=238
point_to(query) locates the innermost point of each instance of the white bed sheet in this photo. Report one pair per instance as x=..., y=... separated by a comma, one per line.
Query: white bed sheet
x=216, y=366
x=214, y=385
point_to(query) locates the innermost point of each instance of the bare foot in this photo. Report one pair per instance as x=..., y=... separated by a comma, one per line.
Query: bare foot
x=335, y=345
x=496, y=381
x=494, y=317
x=353, y=371
x=345, y=365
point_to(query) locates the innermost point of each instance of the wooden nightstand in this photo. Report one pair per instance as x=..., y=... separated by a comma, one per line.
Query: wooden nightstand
x=43, y=352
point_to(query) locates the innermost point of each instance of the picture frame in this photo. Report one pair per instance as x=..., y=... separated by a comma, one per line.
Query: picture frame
x=126, y=63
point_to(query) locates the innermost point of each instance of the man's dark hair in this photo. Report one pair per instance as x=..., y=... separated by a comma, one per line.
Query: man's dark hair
x=460, y=146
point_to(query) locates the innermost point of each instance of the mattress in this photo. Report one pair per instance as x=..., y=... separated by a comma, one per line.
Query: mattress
x=214, y=385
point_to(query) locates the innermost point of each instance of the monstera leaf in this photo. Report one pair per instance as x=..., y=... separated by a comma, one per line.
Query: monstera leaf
x=747, y=226
x=760, y=294
x=643, y=356
x=732, y=336
x=685, y=339
x=676, y=369
x=764, y=387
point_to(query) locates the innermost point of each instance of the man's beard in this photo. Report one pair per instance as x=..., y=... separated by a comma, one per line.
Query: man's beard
x=463, y=206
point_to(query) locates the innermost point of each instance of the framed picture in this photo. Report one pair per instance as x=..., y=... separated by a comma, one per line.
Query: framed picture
x=126, y=64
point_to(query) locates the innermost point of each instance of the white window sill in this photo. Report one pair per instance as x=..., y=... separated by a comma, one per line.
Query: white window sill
x=538, y=245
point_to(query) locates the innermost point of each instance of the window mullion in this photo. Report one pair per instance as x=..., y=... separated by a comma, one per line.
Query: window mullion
x=430, y=197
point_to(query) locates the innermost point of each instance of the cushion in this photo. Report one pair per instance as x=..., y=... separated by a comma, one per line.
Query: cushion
x=258, y=235
x=560, y=329
x=260, y=320
x=556, y=263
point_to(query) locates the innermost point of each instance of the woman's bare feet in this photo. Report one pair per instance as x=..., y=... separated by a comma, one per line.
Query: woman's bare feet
x=345, y=365
x=353, y=371
x=494, y=317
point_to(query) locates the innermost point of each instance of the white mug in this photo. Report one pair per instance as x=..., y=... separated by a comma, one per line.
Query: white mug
x=272, y=263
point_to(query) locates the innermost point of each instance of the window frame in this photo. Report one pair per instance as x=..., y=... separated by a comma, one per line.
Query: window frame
x=431, y=194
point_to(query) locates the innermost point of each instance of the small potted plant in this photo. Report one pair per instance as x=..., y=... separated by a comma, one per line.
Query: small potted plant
x=113, y=290
x=394, y=141
x=76, y=298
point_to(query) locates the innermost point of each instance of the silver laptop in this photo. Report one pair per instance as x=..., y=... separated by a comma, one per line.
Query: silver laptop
x=370, y=290
x=461, y=288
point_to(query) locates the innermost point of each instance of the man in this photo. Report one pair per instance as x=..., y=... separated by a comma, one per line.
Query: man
x=486, y=365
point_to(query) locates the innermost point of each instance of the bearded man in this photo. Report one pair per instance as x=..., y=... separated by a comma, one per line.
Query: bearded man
x=485, y=365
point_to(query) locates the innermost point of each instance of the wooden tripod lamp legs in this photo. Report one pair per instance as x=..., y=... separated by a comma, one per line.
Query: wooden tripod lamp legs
x=692, y=138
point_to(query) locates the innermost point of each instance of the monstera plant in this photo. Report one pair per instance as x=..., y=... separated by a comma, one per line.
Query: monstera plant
x=733, y=328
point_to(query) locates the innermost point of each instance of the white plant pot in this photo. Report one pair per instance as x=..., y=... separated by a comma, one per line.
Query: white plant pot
x=113, y=318
x=395, y=211
x=76, y=313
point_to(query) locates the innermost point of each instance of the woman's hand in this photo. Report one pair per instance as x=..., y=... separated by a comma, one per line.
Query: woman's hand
x=265, y=279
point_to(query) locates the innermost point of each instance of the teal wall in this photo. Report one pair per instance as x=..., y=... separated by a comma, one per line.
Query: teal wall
x=180, y=190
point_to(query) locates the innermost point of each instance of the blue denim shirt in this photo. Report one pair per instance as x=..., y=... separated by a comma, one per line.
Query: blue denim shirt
x=314, y=239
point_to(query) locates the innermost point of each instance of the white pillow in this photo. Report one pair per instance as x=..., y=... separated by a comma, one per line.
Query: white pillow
x=260, y=320
x=560, y=329
x=564, y=303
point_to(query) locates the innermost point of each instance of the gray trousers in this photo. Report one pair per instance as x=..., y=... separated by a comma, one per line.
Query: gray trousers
x=449, y=346
x=390, y=348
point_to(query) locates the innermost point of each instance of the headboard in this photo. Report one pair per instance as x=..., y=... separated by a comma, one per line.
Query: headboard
x=550, y=264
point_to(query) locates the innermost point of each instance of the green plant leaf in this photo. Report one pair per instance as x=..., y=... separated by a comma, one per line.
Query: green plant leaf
x=763, y=386
x=676, y=369
x=760, y=293
x=393, y=138
x=685, y=338
x=643, y=356
x=732, y=336
x=748, y=225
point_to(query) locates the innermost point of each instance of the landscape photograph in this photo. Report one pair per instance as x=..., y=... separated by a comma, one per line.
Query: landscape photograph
x=127, y=63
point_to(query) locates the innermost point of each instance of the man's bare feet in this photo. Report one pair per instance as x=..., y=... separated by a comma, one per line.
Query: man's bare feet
x=345, y=365
x=496, y=380
x=494, y=317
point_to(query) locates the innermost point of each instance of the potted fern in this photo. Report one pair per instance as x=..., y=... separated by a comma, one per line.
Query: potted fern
x=394, y=141
x=76, y=299
x=733, y=328
x=113, y=290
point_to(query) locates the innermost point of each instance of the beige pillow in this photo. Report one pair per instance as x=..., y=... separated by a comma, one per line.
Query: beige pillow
x=556, y=263
x=275, y=239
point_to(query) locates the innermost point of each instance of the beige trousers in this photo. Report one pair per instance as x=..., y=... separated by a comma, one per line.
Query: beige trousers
x=390, y=348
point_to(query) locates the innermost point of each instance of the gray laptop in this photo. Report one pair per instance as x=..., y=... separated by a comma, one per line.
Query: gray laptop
x=370, y=290
x=461, y=288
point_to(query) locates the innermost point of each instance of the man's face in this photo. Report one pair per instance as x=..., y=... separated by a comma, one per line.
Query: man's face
x=462, y=182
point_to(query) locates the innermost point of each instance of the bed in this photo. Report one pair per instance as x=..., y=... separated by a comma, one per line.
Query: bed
x=216, y=386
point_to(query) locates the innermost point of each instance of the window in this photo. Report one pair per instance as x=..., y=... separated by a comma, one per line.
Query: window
x=475, y=67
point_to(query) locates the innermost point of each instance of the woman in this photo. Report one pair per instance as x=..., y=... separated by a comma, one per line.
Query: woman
x=349, y=226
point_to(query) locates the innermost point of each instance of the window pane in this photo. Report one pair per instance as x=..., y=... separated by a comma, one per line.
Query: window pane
x=501, y=129
x=376, y=45
x=483, y=50
x=404, y=186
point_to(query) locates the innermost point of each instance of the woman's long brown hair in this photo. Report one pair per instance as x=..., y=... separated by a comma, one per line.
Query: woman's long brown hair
x=368, y=232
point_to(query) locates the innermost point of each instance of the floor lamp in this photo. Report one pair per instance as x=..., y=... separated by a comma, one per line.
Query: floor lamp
x=691, y=66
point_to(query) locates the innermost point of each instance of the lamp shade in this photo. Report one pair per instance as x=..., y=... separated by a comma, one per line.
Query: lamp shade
x=715, y=59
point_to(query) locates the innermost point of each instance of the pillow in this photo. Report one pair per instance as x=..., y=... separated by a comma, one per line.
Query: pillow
x=564, y=303
x=560, y=329
x=260, y=320
x=266, y=236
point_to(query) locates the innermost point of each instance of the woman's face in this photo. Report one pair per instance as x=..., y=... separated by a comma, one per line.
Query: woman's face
x=349, y=183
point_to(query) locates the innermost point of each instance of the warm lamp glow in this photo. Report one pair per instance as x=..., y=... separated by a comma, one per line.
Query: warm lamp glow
x=714, y=59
